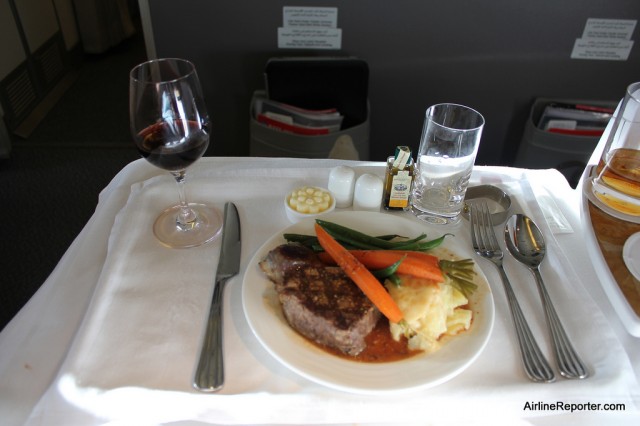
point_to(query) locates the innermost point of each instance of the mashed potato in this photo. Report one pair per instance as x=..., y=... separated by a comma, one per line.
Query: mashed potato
x=431, y=311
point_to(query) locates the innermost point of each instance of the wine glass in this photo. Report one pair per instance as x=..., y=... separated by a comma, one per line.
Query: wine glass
x=170, y=126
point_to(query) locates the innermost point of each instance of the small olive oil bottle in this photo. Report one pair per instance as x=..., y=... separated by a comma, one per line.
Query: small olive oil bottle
x=398, y=179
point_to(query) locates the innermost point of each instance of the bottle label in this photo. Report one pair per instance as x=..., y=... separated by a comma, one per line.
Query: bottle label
x=400, y=187
x=402, y=158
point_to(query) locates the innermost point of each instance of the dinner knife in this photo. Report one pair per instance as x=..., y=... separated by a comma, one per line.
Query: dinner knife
x=209, y=376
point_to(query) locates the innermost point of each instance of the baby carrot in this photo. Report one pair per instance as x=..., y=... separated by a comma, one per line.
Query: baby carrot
x=427, y=258
x=360, y=275
x=418, y=264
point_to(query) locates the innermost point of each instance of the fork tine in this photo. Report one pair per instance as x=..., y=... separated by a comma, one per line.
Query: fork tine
x=491, y=240
x=473, y=217
x=482, y=231
x=478, y=236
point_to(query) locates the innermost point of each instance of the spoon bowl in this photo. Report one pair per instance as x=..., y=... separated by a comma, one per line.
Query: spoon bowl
x=526, y=244
x=525, y=241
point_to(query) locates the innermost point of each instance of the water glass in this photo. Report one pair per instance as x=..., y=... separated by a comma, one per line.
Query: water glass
x=617, y=184
x=448, y=148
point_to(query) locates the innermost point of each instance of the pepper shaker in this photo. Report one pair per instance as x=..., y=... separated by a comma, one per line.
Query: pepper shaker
x=368, y=193
x=341, y=184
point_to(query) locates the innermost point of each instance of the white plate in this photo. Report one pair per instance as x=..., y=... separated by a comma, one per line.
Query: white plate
x=631, y=254
x=265, y=318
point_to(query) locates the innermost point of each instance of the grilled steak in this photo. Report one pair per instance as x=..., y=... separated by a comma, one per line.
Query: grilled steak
x=319, y=301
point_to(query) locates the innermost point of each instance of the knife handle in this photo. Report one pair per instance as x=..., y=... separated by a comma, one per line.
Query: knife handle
x=209, y=375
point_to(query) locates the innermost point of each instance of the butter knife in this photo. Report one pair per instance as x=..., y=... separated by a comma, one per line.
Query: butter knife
x=209, y=376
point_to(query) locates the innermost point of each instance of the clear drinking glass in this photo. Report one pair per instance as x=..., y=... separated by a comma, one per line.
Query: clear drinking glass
x=448, y=148
x=617, y=184
x=170, y=127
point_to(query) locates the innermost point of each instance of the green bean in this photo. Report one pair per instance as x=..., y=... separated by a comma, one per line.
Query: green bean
x=389, y=237
x=429, y=245
x=299, y=238
x=302, y=238
x=361, y=239
x=355, y=237
x=311, y=241
x=389, y=270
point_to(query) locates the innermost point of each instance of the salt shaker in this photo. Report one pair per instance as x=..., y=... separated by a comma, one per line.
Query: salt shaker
x=341, y=183
x=368, y=193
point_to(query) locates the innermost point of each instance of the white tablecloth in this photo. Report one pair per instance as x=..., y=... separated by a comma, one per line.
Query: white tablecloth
x=113, y=334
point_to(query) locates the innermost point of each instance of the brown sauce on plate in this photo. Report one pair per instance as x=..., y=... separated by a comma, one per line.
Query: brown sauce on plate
x=380, y=346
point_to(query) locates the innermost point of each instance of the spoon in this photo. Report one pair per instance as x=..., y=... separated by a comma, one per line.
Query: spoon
x=526, y=243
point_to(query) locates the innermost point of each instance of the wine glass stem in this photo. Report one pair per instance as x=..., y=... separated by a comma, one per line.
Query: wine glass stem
x=187, y=216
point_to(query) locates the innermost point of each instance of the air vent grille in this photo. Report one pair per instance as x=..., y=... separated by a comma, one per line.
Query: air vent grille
x=51, y=64
x=25, y=88
x=20, y=94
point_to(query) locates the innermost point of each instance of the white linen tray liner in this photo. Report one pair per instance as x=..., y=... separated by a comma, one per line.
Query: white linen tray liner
x=134, y=356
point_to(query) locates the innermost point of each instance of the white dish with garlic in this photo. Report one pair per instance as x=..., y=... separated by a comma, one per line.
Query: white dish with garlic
x=308, y=201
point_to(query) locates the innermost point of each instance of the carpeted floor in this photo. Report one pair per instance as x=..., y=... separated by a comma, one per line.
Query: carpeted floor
x=50, y=184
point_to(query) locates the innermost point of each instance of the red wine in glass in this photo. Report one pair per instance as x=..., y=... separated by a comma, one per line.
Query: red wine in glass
x=173, y=146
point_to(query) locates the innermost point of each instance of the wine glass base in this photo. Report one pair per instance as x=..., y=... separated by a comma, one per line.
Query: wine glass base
x=204, y=229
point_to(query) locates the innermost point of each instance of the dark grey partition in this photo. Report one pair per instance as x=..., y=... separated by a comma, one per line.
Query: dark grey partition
x=496, y=56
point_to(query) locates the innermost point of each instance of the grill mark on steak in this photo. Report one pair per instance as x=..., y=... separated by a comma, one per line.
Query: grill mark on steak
x=320, y=301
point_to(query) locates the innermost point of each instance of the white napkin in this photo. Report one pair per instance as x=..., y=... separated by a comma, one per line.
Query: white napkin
x=134, y=356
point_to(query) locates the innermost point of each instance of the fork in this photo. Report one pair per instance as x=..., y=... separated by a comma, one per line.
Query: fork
x=485, y=244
